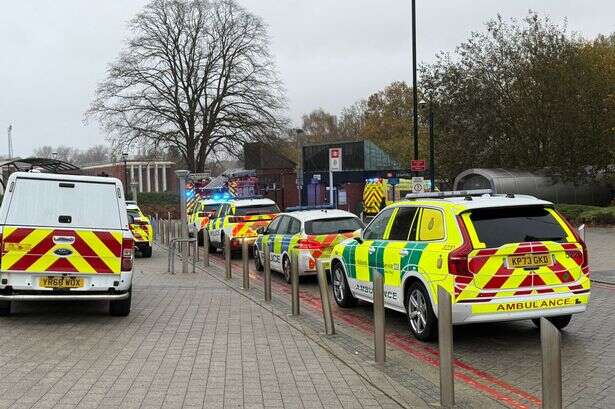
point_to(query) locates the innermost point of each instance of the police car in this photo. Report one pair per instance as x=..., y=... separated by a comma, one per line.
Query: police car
x=141, y=229
x=239, y=219
x=313, y=233
x=502, y=257
x=202, y=214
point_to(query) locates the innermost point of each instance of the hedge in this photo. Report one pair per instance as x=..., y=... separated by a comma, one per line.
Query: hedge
x=584, y=214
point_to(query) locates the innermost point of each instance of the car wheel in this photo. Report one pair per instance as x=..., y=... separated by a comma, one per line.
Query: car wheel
x=212, y=248
x=341, y=290
x=121, y=308
x=286, y=269
x=421, y=318
x=199, y=238
x=560, y=321
x=257, y=259
x=5, y=308
x=147, y=251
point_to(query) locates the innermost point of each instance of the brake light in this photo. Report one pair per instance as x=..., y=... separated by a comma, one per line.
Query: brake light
x=235, y=219
x=575, y=256
x=309, y=244
x=127, y=254
x=458, y=258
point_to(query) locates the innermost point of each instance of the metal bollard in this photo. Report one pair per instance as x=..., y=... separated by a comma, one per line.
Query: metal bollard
x=205, y=248
x=379, y=318
x=550, y=342
x=245, y=258
x=294, y=282
x=267, y=272
x=227, y=258
x=327, y=313
x=445, y=344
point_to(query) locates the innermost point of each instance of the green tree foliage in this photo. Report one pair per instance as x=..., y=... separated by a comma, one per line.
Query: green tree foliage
x=524, y=95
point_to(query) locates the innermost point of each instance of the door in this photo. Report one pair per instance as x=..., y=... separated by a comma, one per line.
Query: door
x=397, y=253
x=267, y=238
x=365, y=253
x=215, y=226
x=276, y=245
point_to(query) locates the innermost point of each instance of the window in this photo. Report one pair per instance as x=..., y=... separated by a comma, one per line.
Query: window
x=400, y=230
x=284, y=225
x=498, y=226
x=333, y=226
x=432, y=225
x=273, y=226
x=222, y=210
x=294, y=226
x=256, y=210
x=377, y=228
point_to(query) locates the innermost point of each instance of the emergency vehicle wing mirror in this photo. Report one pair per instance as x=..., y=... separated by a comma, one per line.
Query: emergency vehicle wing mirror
x=261, y=230
x=201, y=214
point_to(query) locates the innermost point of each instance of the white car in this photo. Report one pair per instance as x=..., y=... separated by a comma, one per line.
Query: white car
x=313, y=233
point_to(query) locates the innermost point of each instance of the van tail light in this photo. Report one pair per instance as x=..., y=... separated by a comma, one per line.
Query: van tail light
x=309, y=244
x=458, y=258
x=235, y=219
x=127, y=254
x=575, y=255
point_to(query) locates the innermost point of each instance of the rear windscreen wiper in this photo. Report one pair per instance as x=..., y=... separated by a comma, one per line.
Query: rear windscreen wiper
x=535, y=238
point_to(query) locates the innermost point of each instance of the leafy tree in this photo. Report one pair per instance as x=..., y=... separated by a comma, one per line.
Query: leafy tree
x=320, y=126
x=524, y=95
x=196, y=75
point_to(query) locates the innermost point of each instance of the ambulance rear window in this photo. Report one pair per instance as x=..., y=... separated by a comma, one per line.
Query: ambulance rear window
x=256, y=210
x=333, y=226
x=498, y=226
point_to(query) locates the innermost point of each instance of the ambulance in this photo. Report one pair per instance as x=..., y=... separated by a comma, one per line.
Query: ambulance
x=311, y=233
x=500, y=257
x=65, y=238
x=141, y=228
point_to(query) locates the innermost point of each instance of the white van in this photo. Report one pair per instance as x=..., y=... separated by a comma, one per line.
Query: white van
x=65, y=238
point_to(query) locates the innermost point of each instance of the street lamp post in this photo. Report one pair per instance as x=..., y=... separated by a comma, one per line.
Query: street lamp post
x=432, y=155
x=125, y=158
x=415, y=113
x=299, y=136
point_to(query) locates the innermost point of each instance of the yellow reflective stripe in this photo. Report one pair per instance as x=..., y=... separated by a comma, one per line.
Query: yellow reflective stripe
x=569, y=235
x=362, y=263
x=476, y=243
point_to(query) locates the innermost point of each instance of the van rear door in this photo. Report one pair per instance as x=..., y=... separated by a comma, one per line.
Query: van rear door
x=62, y=226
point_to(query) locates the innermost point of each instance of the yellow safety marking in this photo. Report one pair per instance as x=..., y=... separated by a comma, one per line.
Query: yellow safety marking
x=517, y=306
x=362, y=262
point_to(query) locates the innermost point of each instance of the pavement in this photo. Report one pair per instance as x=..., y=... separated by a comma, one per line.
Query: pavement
x=198, y=341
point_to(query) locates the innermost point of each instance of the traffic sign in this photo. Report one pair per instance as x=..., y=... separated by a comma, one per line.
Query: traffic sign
x=393, y=181
x=335, y=159
x=418, y=165
x=418, y=185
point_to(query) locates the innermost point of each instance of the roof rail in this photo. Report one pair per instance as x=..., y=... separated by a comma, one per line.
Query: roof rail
x=302, y=208
x=453, y=193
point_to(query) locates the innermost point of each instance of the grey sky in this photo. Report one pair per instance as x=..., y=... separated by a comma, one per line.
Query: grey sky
x=330, y=53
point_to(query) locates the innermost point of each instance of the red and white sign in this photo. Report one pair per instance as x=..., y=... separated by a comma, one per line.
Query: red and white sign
x=335, y=159
x=418, y=165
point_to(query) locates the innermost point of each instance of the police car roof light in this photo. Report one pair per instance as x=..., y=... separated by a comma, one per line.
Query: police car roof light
x=454, y=193
x=303, y=208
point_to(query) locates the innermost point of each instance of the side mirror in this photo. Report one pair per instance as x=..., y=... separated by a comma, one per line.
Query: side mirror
x=261, y=231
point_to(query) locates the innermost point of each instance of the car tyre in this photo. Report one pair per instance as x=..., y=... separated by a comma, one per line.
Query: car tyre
x=212, y=248
x=258, y=263
x=560, y=321
x=5, y=308
x=286, y=268
x=121, y=308
x=341, y=290
x=147, y=251
x=421, y=317
x=200, y=239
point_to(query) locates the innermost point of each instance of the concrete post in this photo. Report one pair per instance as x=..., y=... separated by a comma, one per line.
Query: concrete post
x=327, y=313
x=267, y=272
x=294, y=280
x=379, y=318
x=181, y=176
x=245, y=258
x=550, y=342
x=133, y=189
x=227, y=258
x=445, y=343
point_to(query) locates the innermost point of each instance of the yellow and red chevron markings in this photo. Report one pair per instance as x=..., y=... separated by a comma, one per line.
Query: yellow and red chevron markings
x=328, y=241
x=250, y=224
x=33, y=250
x=493, y=279
x=139, y=232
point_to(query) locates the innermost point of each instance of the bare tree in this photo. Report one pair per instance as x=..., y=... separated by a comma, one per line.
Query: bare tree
x=197, y=75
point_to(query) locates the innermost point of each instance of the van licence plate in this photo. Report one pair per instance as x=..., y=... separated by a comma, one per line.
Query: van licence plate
x=529, y=260
x=61, y=282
